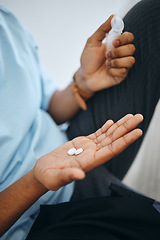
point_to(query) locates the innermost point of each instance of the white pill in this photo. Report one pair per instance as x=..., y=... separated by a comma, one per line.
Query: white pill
x=71, y=151
x=78, y=151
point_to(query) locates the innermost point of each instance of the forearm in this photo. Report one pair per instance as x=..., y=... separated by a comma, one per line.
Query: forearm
x=63, y=106
x=17, y=198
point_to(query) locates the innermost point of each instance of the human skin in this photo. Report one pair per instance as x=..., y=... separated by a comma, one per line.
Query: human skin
x=57, y=168
x=99, y=69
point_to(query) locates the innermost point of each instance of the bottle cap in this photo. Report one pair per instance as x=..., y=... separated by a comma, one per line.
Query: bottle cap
x=117, y=24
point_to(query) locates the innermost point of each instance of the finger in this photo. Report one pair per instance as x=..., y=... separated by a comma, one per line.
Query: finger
x=122, y=51
x=68, y=175
x=121, y=143
x=106, y=131
x=110, y=151
x=123, y=39
x=119, y=74
x=100, y=34
x=62, y=177
x=119, y=123
x=126, y=62
x=105, y=127
x=117, y=132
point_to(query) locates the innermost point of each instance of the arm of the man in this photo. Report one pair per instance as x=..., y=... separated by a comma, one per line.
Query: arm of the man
x=57, y=168
x=99, y=69
x=62, y=105
x=17, y=198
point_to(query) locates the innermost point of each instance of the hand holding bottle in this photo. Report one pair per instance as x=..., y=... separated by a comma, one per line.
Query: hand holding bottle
x=117, y=25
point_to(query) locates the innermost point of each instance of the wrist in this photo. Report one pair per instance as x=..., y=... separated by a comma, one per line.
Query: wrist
x=81, y=83
x=39, y=188
x=80, y=95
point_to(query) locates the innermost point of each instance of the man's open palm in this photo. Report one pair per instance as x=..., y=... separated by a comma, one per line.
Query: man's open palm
x=57, y=168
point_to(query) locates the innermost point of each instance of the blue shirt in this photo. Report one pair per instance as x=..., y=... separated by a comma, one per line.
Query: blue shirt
x=26, y=130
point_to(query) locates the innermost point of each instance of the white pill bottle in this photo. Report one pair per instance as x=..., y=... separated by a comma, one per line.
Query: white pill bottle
x=117, y=25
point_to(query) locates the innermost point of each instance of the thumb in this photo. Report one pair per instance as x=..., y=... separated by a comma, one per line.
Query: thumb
x=61, y=177
x=100, y=34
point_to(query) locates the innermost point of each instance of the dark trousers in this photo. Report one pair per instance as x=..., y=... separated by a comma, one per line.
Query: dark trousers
x=117, y=213
x=138, y=93
x=124, y=215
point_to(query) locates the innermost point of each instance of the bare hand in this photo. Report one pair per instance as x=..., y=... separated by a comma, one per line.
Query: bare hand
x=101, y=69
x=57, y=168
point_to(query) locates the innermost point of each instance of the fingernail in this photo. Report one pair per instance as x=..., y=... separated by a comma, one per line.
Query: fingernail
x=109, y=54
x=109, y=63
x=117, y=43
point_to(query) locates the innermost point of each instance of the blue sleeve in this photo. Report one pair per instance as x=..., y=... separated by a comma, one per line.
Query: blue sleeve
x=48, y=88
x=15, y=38
x=48, y=85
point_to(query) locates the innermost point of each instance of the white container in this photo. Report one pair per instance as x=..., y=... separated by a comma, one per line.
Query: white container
x=117, y=25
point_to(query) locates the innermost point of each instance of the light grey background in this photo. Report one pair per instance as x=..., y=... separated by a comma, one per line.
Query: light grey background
x=61, y=29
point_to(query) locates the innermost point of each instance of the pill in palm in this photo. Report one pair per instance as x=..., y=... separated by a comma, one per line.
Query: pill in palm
x=71, y=151
x=78, y=151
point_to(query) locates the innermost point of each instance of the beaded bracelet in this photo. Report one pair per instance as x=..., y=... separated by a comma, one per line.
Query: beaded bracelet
x=80, y=96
